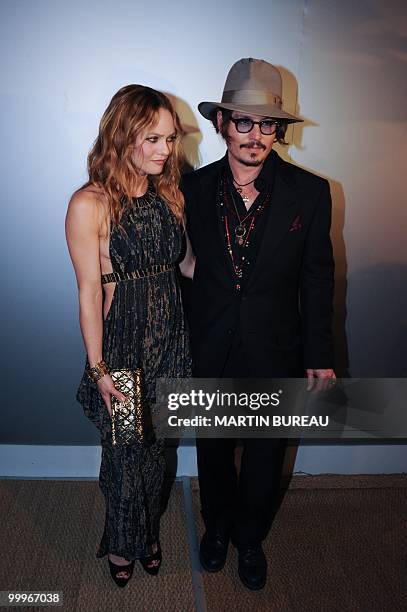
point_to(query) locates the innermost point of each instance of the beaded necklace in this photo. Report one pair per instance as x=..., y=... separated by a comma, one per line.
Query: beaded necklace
x=242, y=239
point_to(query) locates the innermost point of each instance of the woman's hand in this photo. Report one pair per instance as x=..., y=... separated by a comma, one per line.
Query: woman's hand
x=107, y=388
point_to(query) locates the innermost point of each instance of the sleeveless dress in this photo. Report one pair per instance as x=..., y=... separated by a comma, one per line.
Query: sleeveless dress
x=145, y=327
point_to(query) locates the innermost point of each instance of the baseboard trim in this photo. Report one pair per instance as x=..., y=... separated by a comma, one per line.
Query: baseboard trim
x=40, y=461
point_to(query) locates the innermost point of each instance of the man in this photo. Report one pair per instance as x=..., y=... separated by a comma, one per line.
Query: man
x=261, y=301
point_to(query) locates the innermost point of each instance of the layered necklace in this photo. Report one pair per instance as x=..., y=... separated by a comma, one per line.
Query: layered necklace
x=242, y=230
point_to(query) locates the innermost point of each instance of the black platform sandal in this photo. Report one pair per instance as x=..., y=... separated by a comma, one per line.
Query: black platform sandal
x=117, y=569
x=146, y=561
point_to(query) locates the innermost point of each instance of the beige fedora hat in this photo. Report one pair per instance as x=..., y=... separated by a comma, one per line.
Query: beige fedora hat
x=252, y=86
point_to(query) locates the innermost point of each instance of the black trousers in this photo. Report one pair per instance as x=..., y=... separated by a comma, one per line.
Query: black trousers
x=243, y=506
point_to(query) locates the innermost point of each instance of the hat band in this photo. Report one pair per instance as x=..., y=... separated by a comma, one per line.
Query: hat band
x=252, y=97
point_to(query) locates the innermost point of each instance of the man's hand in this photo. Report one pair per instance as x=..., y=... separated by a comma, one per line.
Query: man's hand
x=320, y=380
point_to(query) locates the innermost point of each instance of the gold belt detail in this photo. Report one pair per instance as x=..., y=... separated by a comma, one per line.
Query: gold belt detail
x=136, y=274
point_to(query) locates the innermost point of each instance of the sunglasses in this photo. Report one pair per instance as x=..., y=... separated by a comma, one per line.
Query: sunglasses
x=244, y=125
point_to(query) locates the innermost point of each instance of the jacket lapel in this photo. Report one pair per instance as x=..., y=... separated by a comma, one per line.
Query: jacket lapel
x=209, y=211
x=282, y=212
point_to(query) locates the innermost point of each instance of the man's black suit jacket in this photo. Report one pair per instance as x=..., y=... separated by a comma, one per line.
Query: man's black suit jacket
x=284, y=314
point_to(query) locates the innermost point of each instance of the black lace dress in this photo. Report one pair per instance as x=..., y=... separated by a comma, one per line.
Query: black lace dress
x=145, y=327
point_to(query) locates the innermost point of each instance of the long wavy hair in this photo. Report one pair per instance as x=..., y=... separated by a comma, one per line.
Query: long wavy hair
x=133, y=109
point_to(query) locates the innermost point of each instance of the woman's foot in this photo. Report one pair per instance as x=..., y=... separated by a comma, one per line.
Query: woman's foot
x=151, y=563
x=120, y=569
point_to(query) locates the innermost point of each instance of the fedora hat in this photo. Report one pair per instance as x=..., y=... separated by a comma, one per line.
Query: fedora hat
x=252, y=86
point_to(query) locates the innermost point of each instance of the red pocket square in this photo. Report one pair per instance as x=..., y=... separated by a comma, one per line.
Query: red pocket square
x=295, y=225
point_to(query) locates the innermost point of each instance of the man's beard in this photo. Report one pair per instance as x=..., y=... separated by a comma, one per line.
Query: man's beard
x=254, y=163
x=249, y=145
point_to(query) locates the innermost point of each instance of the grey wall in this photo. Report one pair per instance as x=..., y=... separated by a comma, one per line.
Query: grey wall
x=63, y=61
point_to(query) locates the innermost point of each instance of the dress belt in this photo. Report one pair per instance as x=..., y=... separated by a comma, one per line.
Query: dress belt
x=136, y=274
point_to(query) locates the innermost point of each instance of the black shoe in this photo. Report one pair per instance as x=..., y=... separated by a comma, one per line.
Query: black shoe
x=252, y=567
x=213, y=551
x=146, y=561
x=117, y=569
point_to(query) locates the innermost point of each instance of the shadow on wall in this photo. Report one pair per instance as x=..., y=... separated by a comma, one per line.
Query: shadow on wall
x=291, y=105
x=341, y=271
x=192, y=134
x=294, y=137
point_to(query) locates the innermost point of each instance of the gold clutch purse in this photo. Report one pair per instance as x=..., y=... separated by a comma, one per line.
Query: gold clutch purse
x=131, y=420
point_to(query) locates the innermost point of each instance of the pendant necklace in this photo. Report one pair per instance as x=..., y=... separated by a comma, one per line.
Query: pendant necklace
x=239, y=189
x=240, y=229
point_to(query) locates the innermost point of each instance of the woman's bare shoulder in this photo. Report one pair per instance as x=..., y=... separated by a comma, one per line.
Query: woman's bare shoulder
x=88, y=201
x=89, y=195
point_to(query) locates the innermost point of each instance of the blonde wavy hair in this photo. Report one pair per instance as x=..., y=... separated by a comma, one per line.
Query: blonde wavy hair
x=132, y=110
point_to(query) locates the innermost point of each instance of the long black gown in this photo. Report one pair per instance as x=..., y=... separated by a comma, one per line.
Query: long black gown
x=145, y=327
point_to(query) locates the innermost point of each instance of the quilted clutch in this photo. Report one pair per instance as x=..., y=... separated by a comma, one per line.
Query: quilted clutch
x=131, y=420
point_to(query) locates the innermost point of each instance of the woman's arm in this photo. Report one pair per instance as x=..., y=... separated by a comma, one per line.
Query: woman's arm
x=82, y=225
x=187, y=265
x=82, y=233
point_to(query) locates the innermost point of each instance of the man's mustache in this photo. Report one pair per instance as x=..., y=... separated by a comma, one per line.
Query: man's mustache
x=253, y=143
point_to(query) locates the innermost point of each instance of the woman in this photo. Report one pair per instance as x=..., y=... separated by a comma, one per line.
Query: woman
x=124, y=231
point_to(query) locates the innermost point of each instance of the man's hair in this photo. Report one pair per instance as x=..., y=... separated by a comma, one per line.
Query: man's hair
x=110, y=162
x=226, y=115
